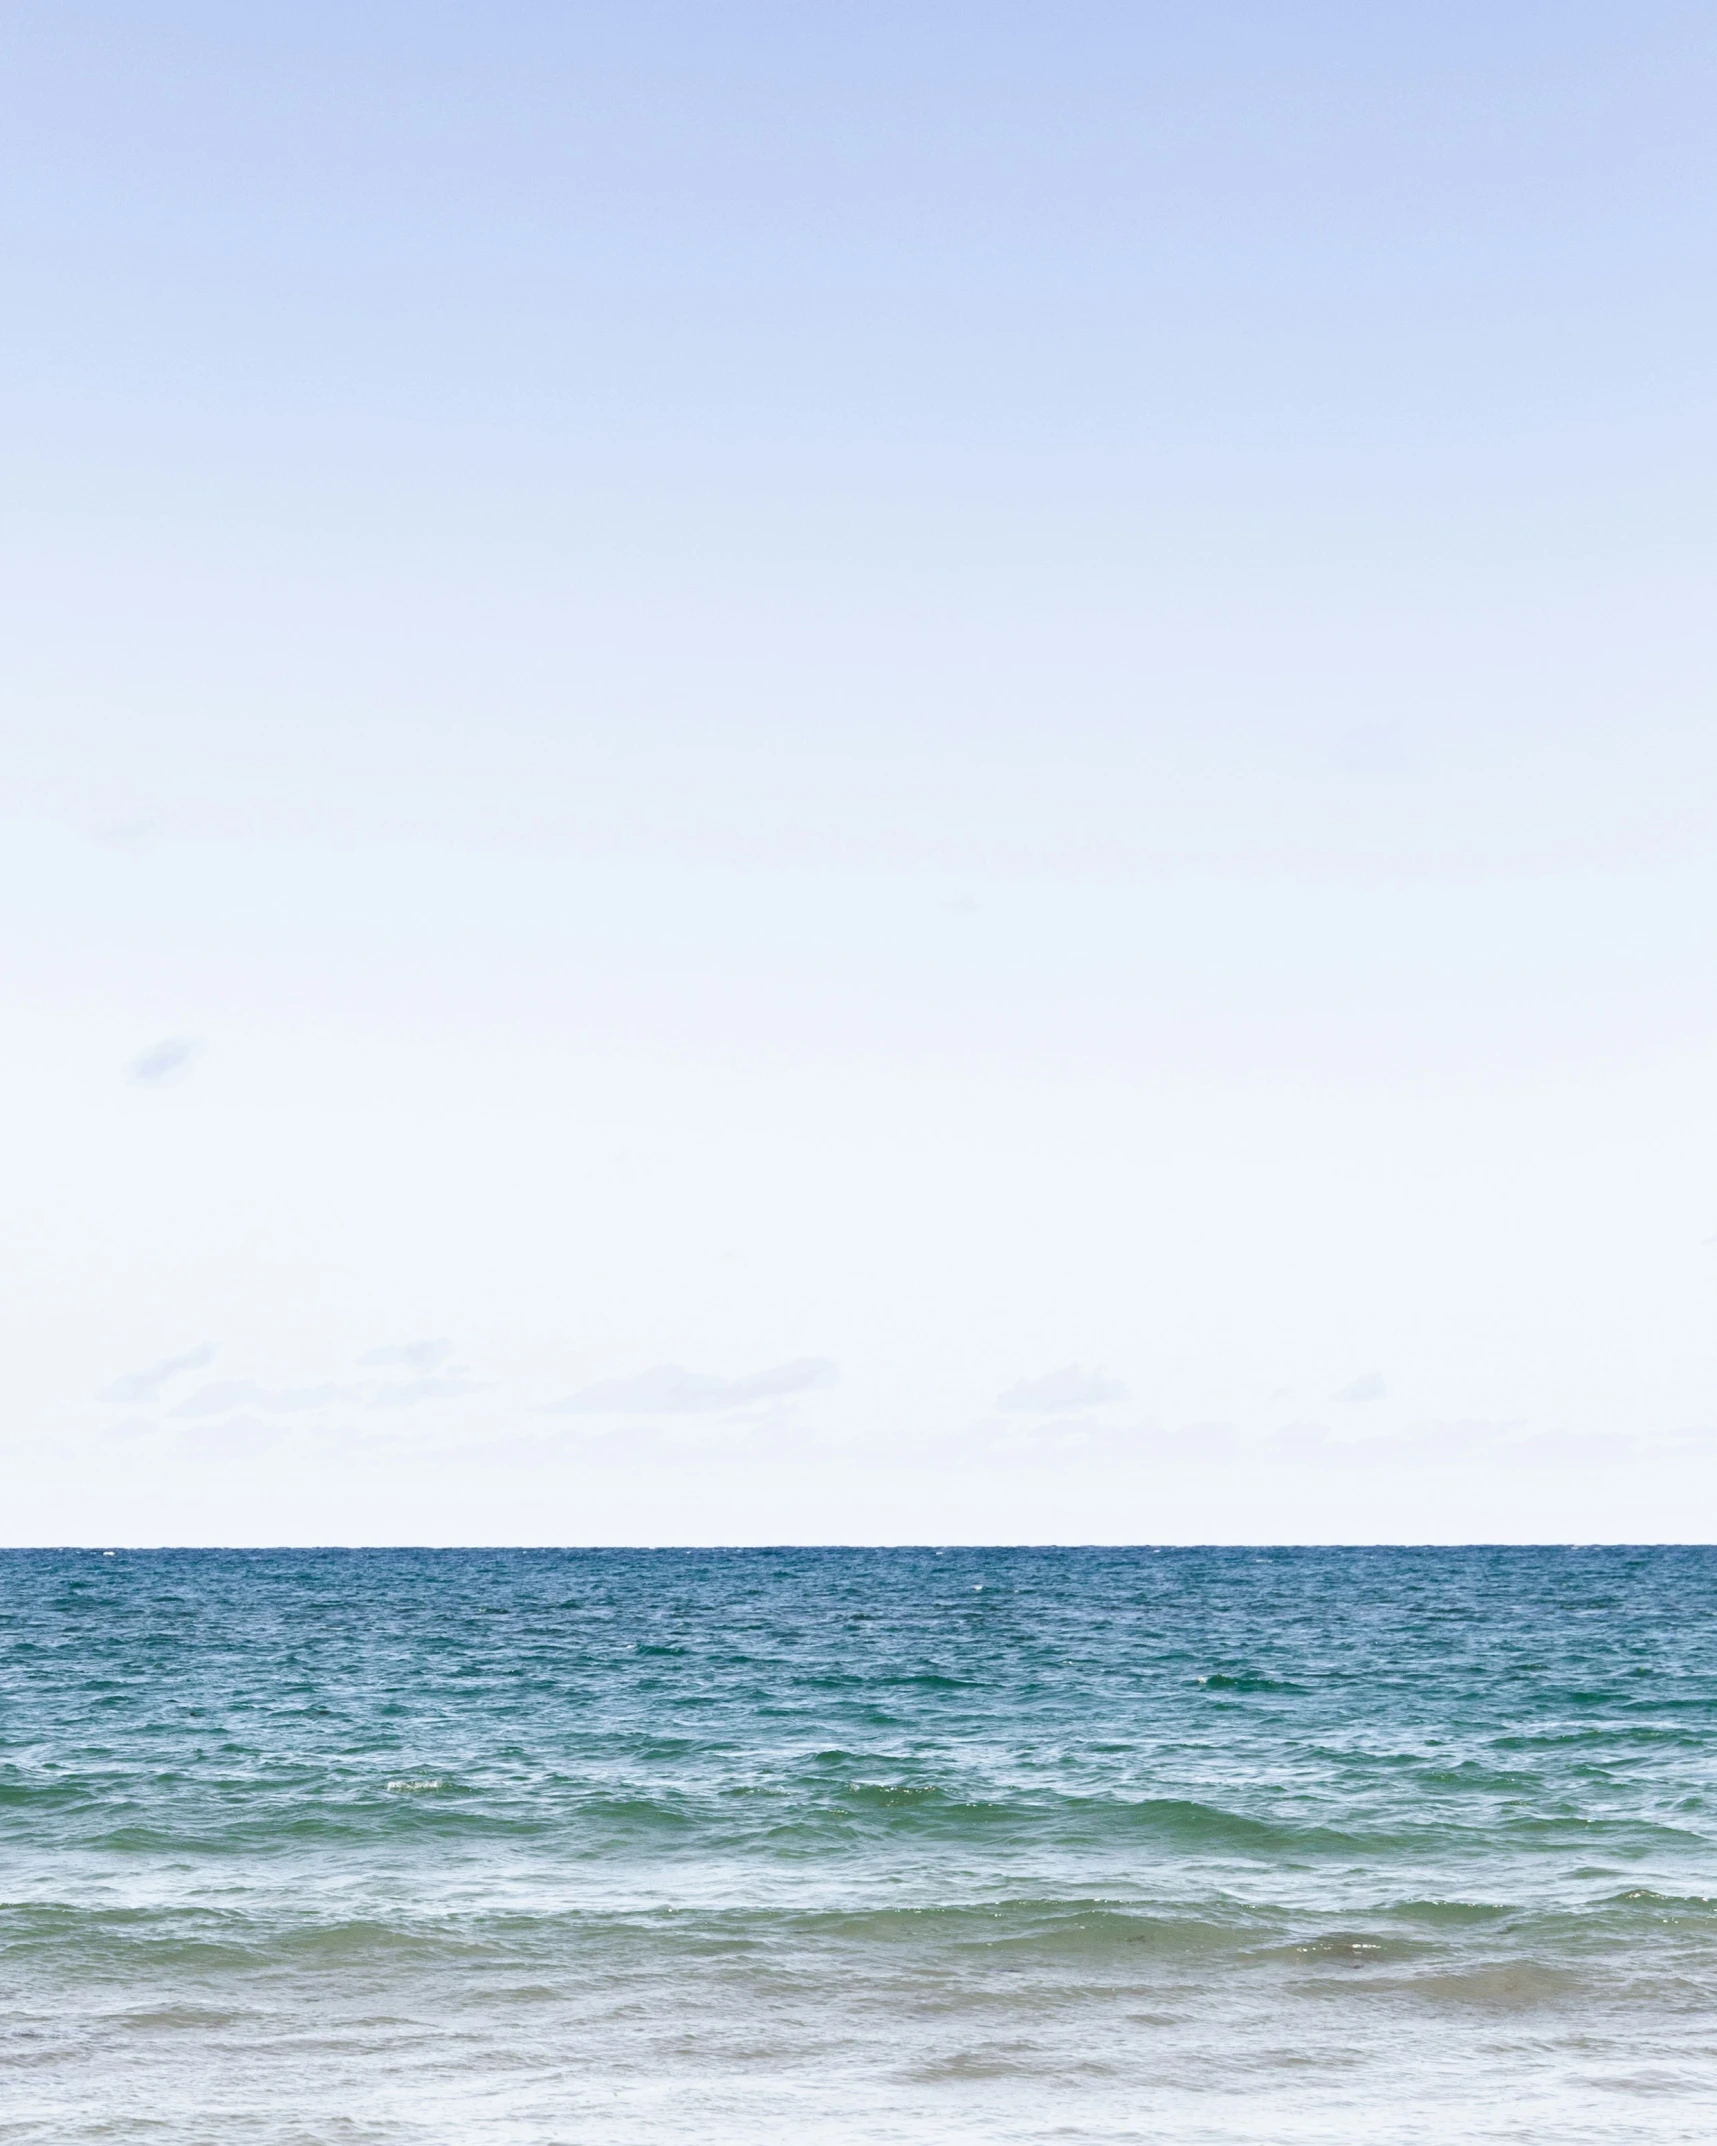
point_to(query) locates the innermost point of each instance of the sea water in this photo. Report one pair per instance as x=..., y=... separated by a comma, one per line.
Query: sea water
x=513, y=1848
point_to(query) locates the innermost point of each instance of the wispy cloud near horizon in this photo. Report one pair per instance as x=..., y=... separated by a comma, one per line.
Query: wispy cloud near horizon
x=1368, y=1387
x=161, y=1061
x=147, y=1385
x=670, y=1390
x=410, y=1355
x=1061, y=1393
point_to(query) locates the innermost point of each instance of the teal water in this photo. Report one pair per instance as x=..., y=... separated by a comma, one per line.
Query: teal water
x=909, y=1845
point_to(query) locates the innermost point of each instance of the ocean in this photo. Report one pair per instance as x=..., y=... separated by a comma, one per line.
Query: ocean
x=524, y=1847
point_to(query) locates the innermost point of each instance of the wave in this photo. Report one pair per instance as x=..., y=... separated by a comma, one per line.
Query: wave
x=1245, y=1682
x=1417, y=1816
x=1427, y=1939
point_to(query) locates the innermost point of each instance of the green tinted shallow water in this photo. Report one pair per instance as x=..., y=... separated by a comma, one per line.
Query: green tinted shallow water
x=850, y=1845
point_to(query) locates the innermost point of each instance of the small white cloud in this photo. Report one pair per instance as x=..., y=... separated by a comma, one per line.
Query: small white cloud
x=1370, y=1387
x=1579, y=1449
x=243, y=1432
x=138, y=827
x=442, y=1386
x=669, y=1390
x=223, y=1396
x=162, y=1060
x=1446, y=1443
x=1060, y=1392
x=218, y=1399
x=139, y=1386
x=227, y=1394
x=410, y=1355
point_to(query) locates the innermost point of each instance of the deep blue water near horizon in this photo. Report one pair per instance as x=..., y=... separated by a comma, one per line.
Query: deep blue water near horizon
x=540, y=1846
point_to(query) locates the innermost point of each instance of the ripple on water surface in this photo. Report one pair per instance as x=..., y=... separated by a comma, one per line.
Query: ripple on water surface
x=524, y=1847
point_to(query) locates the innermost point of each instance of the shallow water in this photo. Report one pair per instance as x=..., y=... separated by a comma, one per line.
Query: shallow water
x=997, y=1845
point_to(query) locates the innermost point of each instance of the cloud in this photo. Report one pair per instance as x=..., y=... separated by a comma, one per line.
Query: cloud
x=432, y=1383
x=162, y=1060
x=1580, y=1449
x=670, y=1391
x=1060, y=1392
x=124, y=832
x=411, y=1355
x=445, y=1386
x=146, y=1385
x=1370, y=1387
x=240, y=1434
x=227, y=1394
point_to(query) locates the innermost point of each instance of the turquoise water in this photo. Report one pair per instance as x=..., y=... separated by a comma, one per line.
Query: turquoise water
x=815, y=1845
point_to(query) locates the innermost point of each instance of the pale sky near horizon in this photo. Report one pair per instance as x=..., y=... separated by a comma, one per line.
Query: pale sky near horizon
x=859, y=774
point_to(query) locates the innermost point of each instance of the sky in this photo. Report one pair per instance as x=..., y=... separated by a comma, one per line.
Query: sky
x=885, y=774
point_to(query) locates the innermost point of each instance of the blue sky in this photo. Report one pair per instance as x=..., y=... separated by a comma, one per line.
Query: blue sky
x=746, y=729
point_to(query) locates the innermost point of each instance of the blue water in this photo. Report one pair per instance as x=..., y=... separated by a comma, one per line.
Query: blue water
x=907, y=1845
